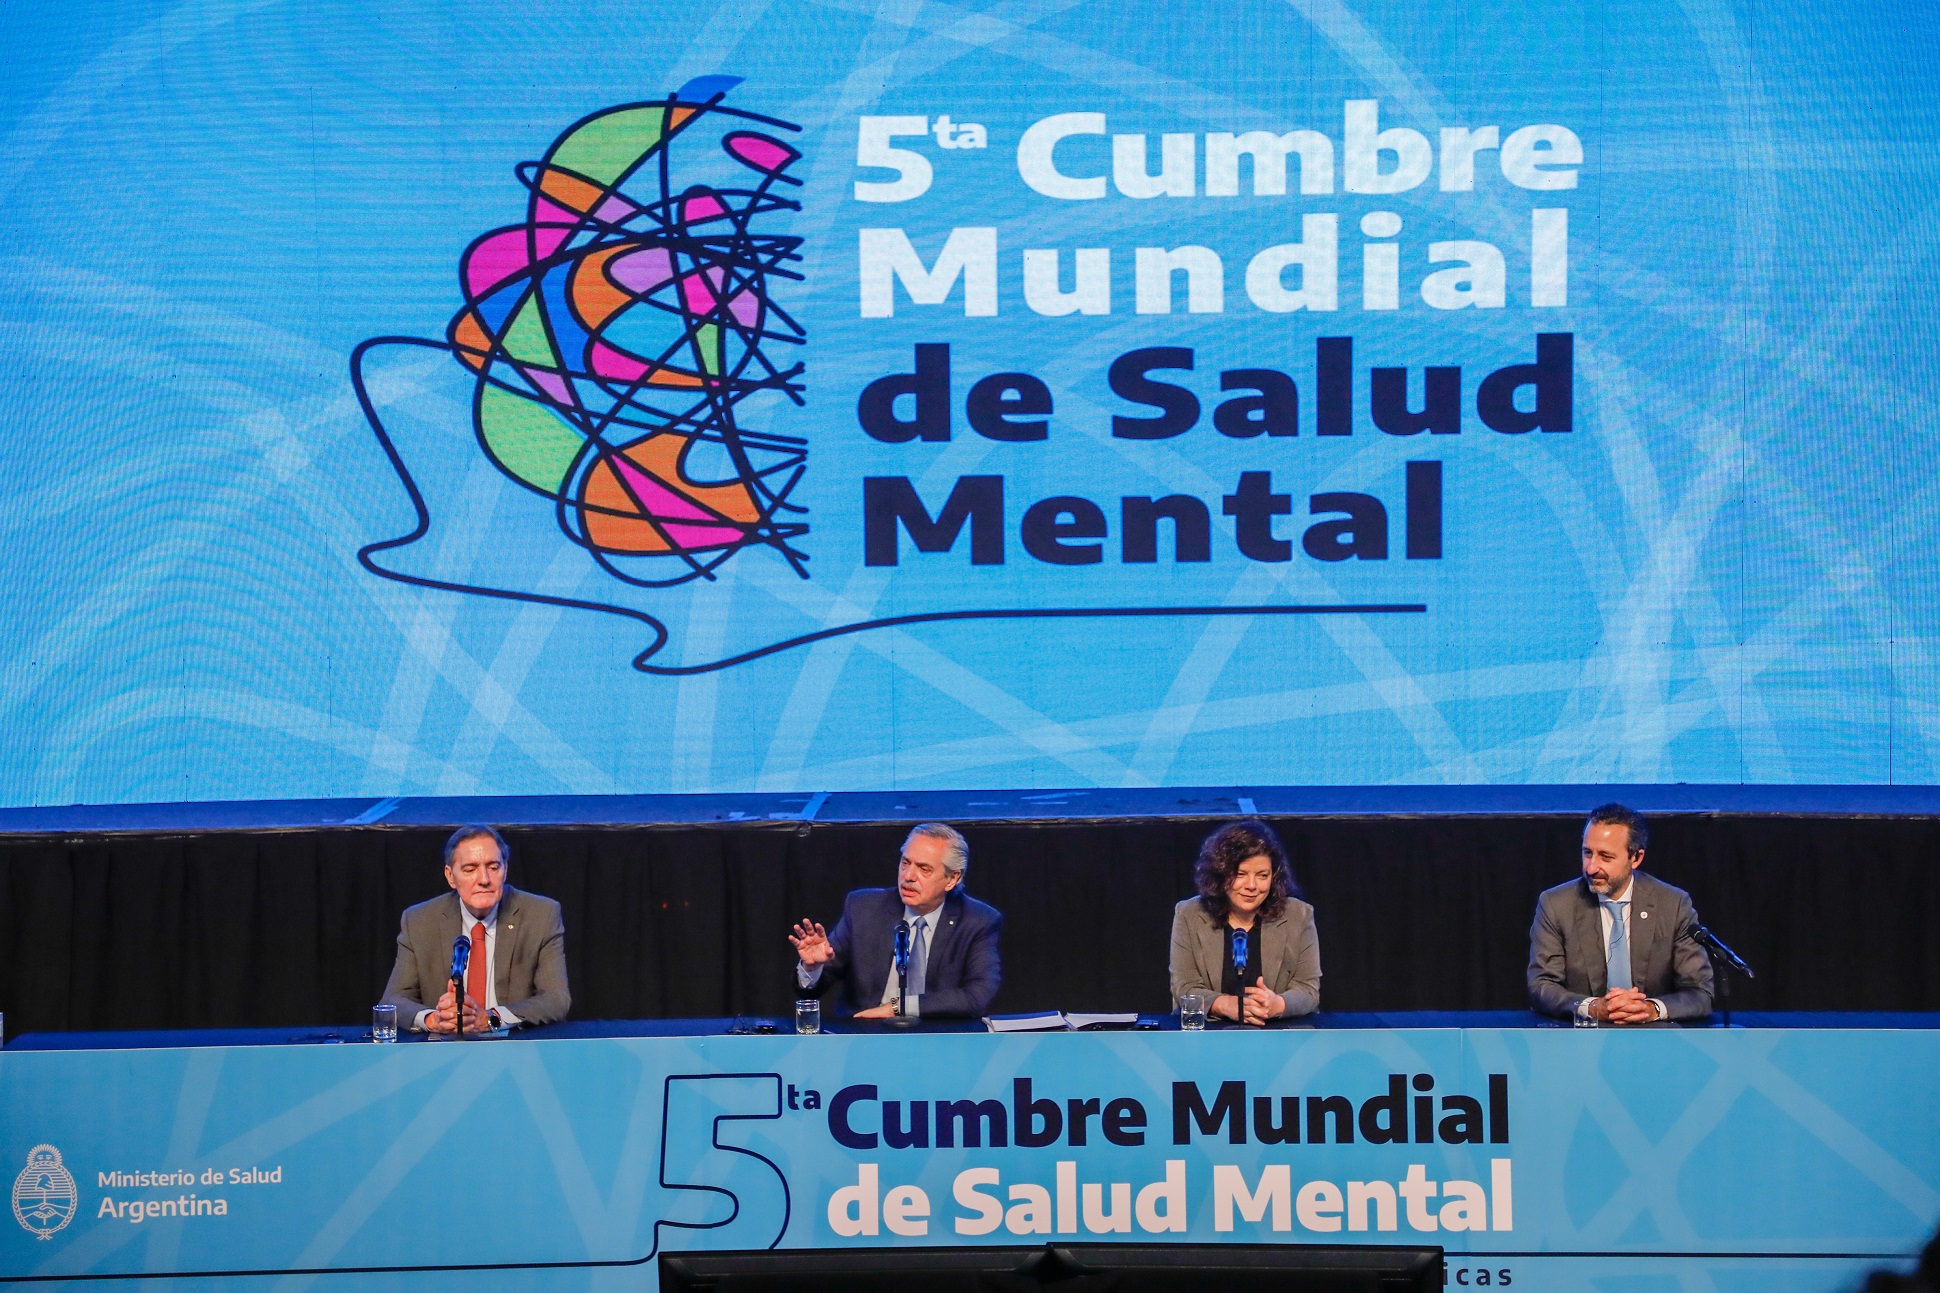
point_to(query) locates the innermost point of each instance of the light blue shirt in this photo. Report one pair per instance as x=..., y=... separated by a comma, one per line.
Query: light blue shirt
x=1606, y=906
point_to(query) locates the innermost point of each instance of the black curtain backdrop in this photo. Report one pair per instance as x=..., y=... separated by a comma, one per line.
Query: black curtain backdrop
x=297, y=927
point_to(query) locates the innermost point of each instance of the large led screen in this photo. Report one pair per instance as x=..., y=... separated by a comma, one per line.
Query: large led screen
x=477, y=398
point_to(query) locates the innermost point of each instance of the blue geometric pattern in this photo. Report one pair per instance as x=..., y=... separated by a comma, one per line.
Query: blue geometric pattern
x=1724, y=572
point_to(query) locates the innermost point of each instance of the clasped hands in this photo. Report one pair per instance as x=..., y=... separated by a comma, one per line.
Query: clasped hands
x=1258, y=1005
x=444, y=1017
x=1623, y=1006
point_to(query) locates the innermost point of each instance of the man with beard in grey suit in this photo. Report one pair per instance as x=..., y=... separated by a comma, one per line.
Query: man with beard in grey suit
x=1614, y=945
x=517, y=962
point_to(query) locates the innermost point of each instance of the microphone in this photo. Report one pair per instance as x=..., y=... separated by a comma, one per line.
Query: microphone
x=1716, y=946
x=461, y=957
x=1240, y=958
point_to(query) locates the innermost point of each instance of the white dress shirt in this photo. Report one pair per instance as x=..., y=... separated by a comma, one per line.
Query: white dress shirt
x=465, y=922
x=1605, y=915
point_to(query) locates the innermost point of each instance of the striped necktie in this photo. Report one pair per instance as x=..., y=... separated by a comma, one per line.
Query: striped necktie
x=918, y=957
x=1619, y=959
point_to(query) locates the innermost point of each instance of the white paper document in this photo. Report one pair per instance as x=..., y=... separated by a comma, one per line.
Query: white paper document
x=1050, y=1020
x=1041, y=1022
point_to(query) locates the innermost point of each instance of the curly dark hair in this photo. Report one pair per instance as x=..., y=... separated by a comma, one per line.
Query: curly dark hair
x=1219, y=859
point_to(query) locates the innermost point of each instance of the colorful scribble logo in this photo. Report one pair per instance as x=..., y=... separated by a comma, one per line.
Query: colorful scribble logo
x=615, y=335
x=624, y=351
x=44, y=1194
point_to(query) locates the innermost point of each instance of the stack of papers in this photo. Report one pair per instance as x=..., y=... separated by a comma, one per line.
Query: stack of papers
x=1040, y=1022
x=1053, y=1020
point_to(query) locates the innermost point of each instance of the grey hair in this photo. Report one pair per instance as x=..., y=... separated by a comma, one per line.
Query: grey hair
x=956, y=849
x=464, y=833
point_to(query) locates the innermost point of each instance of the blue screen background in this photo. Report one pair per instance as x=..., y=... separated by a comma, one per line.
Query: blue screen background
x=1725, y=573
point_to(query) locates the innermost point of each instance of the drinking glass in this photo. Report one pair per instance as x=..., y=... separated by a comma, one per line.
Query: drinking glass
x=808, y=1016
x=1192, y=1011
x=383, y=1023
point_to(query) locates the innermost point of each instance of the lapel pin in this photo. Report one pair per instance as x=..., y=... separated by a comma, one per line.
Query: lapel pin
x=1643, y=915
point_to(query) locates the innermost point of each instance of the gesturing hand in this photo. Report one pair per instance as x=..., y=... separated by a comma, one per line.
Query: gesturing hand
x=811, y=944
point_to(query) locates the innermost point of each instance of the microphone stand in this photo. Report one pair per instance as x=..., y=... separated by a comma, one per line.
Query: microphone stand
x=1727, y=961
x=1241, y=958
x=902, y=974
x=461, y=951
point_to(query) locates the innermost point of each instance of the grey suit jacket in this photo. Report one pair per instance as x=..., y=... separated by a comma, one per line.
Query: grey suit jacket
x=1289, y=954
x=1567, y=950
x=528, y=972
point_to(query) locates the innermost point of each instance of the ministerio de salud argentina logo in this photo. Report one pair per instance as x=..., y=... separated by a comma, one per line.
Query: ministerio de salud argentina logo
x=44, y=1194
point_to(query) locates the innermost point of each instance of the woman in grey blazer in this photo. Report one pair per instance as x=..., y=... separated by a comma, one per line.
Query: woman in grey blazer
x=1248, y=903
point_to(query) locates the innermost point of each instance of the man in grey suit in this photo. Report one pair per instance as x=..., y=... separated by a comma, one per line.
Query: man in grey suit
x=1615, y=945
x=517, y=960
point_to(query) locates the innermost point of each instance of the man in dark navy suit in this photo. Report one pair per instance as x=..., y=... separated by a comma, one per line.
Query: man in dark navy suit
x=945, y=938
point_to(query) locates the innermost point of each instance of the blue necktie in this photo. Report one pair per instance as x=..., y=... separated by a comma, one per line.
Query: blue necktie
x=1619, y=961
x=893, y=988
x=918, y=957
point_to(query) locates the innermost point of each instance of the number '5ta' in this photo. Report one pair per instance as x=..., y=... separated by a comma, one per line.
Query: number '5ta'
x=913, y=174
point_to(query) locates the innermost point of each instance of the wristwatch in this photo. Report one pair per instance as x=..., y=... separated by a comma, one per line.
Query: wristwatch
x=491, y=1017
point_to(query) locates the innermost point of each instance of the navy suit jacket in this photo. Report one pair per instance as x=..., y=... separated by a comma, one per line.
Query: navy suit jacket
x=961, y=973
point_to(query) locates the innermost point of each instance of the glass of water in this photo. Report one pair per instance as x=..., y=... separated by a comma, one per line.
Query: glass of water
x=383, y=1023
x=1192, y=1011
x=808, y=1016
